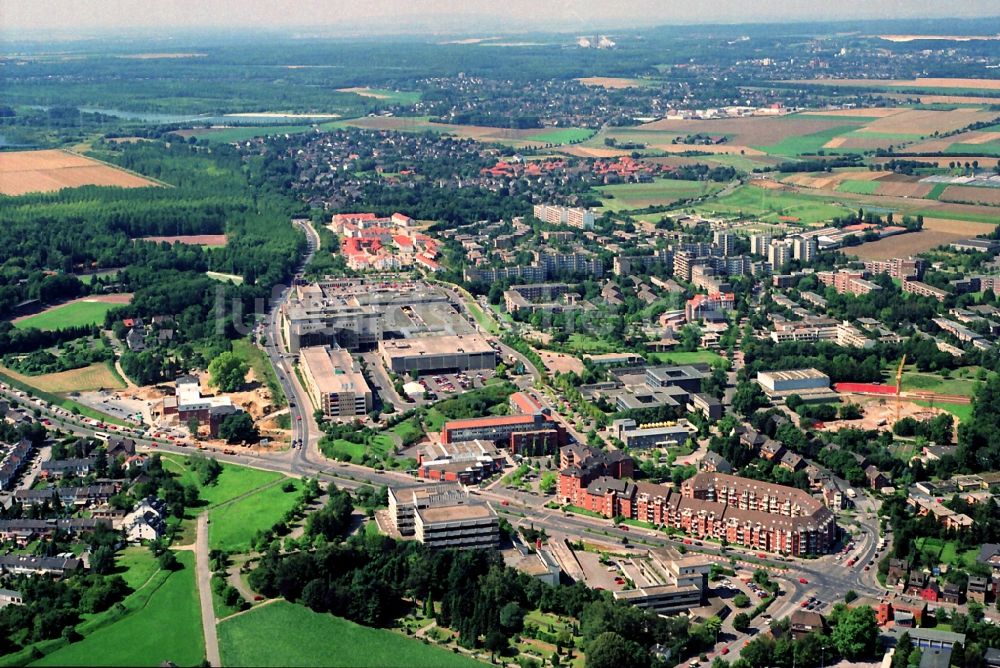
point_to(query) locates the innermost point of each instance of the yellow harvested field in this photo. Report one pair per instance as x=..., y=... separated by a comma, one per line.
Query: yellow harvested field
x=925, y=122
x=24, y=172
x=902, y=245
x=928, y=82
x=832, y=180
x=962, y=228
x=94, y=377
x=610, y=82
x=869, y=112
x=977, y=137
x=836, y=142
x=951, y=99
x=593, y=152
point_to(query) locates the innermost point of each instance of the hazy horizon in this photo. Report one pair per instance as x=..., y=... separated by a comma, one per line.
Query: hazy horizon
x=82, y=17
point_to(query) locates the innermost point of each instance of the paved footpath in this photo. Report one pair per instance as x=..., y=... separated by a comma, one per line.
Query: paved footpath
x=204, y=576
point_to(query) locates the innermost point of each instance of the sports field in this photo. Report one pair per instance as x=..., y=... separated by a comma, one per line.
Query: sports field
x=628, y=196
x=770, y=205
x=166, y=628
x=696, y=357
x=24, y=172
x=284, y=634
x=77, y=313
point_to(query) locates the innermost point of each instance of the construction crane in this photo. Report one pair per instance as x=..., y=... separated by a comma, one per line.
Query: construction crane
x=899, y=384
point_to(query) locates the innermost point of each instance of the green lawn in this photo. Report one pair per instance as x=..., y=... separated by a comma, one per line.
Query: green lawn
x=562, y=136
x=284, y=634
x=234, y=480
x=946, y=552
x=74, y=314
x=769, y=205
x=167, y=628
x=135, y=564
x=434, y=419
x=233, y=525
x=626, y=196
x=963, y=412
x=696, y=357
x=806, y=144
x=935, y=383
x=583, y=343
x=859, y=187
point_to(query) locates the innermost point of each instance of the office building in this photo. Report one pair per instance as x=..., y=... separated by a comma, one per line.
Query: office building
x=334, y=382
x=443, y=516
x=437, y=354
x=685, y=585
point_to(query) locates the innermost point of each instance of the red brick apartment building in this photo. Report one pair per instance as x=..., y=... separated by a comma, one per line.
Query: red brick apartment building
x=762, y=516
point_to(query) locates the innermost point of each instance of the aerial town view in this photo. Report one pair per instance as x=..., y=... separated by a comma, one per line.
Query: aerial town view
x=573, y=334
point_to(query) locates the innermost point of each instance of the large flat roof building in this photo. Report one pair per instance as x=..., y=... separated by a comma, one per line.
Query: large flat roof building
x=335, y=382
x=444, y=516
x=438, y=353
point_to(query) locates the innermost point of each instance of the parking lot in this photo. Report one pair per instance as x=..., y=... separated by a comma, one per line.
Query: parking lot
x=446, y=384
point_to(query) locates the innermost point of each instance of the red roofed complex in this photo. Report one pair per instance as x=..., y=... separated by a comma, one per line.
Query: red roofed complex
x=533, y=434
x=713, y=306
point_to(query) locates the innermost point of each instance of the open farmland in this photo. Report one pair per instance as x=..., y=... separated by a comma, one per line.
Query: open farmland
x=98, y=376
x=972, y=195
x=393, y=96
x=919, y=82
x=943, y=161
x=613, y=82
x=936, y=232
x=190, y=239
x=24, y=172
x=925, y=122
x=79, y=312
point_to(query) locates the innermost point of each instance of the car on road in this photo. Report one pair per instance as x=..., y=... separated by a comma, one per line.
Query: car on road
x=803, y=581
x=725, y=650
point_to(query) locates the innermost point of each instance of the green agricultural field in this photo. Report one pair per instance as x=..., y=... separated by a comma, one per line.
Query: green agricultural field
x=234, y=524
x=74, y=314
x=243, y=133
x=859, y=187
x=990, y=148
x=770, y=205
x=167, y=628
x=563, y=135
x=805, y=144
x=283, y=634
x=627, y=196
x=696, y=357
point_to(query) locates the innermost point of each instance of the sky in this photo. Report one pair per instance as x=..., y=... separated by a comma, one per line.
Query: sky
x=22, y=17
